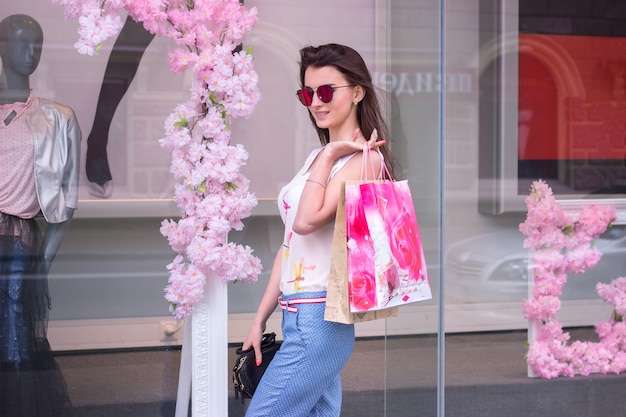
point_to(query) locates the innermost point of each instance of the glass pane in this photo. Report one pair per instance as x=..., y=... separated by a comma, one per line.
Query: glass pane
x=414, y=80
x=114, y=346
x=392, y=369
x=542, y=85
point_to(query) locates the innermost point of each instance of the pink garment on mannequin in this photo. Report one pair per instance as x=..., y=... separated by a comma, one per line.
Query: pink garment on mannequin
x=18, y=196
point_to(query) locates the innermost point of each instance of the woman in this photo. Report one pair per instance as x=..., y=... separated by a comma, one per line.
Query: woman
x=303, y=379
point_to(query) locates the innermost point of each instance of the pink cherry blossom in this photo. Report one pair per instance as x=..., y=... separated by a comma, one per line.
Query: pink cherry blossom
x=211, y=192
x=614, y=293
x=560, y=244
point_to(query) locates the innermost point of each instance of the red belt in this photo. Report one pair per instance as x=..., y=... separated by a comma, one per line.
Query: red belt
x=287, y=304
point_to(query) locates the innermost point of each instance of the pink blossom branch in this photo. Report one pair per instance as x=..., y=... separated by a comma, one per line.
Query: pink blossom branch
x=211, y=191
x=559, y=245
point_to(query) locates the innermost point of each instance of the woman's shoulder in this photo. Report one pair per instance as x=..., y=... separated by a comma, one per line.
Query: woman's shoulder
x=362, y=164
x=340, y=162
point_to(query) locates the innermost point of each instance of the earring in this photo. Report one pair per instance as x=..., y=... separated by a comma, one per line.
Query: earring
x=356, y=102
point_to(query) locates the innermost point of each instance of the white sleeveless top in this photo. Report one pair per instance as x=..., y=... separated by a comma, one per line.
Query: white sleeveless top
x=306, y=259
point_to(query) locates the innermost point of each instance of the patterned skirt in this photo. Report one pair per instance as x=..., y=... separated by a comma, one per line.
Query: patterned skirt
x=31, y=383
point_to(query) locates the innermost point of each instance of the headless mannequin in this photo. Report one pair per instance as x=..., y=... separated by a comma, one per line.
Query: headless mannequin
x=31, y=383
x=120, y=71
x=129, y=47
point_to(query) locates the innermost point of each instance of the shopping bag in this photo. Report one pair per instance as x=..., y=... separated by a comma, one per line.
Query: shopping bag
x=337, y=295
x=386, y=265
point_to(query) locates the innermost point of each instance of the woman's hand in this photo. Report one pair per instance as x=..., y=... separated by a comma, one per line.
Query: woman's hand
x=337, y=149
x=318, y=203
x=373, y=142
x=254, y=338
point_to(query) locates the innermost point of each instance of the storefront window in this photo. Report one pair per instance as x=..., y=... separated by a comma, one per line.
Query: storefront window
x=482, y=98
x=109, y=324
x=529, y=117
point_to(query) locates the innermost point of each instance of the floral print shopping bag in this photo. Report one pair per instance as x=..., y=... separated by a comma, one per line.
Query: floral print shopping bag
x=338, y=295
x=385, y=258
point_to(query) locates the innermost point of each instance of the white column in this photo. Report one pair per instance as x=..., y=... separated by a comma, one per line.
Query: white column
x=184, y=375
x=209, y=395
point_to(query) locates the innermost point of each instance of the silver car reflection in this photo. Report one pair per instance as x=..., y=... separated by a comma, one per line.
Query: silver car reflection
x=494, y=268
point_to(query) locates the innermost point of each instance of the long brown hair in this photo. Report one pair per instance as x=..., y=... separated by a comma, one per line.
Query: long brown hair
x=350, y=63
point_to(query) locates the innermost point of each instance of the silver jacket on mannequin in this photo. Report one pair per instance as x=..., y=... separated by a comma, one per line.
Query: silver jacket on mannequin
x=57, y=137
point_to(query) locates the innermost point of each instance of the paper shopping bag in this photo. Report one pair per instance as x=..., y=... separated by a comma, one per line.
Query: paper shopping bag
x=386, y=265
x=338, y=296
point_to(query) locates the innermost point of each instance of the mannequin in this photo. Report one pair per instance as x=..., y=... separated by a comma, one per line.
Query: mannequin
x=121, y=69
x=39, y=168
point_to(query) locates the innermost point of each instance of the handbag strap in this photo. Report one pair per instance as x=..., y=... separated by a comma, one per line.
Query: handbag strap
x=268, y=340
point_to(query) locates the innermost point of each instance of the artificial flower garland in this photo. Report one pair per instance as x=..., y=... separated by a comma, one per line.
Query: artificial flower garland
x=211, y=191
x=559, y=245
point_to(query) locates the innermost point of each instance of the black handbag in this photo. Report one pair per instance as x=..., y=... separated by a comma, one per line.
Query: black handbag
x=246, y=375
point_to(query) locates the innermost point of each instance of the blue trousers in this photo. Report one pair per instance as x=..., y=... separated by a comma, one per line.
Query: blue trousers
x=304, y=377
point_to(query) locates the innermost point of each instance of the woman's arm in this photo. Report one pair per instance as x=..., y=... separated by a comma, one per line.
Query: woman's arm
x=319, y=200
x=266, y=308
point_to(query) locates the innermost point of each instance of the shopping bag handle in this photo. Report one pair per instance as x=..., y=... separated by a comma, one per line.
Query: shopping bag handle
x=367, y=159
